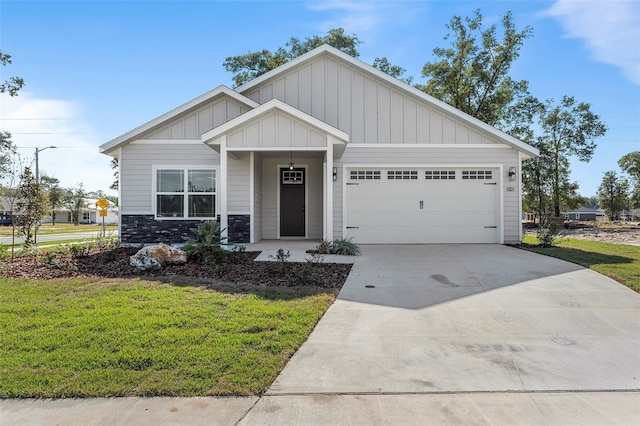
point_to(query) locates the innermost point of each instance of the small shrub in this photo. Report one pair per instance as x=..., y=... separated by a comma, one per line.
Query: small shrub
x=281, y=256
x=79, y=251
x=206, y=246
x=345, y=246
x=323, y=248
x=547, y=233
x=239, y=248
x=4, y=251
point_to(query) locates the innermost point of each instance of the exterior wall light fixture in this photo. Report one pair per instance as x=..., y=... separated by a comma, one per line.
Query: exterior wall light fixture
x=512, y=173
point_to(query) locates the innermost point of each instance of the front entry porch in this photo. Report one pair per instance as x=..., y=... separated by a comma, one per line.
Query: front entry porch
x=276, y=166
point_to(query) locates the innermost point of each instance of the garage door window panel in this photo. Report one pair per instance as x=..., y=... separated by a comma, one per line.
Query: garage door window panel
x=477, y=175
x=365, y=175
x=402, y=175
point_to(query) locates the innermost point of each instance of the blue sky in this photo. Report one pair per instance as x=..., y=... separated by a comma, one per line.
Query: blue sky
x=95, y=70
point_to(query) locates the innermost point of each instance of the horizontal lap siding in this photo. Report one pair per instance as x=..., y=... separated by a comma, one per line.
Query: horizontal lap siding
x=257, y=206
x=194, y=123
x=435, y=156
x=136, y=169
x=270, y=198
x=238, y=185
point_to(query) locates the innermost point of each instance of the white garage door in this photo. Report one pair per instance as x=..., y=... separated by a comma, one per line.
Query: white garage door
x=422, y=205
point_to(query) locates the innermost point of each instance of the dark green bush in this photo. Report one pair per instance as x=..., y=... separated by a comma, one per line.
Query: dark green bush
x=206, y=245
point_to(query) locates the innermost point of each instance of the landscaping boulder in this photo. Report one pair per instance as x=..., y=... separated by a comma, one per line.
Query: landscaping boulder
x=155, y=257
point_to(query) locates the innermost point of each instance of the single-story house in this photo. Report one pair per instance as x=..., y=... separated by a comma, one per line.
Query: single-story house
x=586, y=214
x=88, y=214
x=322, y=147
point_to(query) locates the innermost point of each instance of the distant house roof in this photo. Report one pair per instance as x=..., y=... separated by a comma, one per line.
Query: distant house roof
x=583, y=210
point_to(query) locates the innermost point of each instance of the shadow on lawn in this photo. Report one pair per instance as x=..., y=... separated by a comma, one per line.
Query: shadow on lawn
x=268, y=293
x=581, y=257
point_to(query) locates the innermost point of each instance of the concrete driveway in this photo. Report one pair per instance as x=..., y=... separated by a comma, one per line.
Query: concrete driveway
x=451, y=318
x=468, y=319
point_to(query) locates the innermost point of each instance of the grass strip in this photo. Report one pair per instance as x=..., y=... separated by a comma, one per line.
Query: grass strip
x=618, y=261
x=82, y=338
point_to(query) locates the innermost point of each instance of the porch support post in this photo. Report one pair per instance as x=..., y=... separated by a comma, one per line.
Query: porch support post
x=252, y=194
x=328, y=231
x=224, y=219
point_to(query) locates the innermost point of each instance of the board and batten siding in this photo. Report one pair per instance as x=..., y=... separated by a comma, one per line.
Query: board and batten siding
x=434, y=156
x=368, y=108
x=276, y=129
x=136, y=164
x=195, y=123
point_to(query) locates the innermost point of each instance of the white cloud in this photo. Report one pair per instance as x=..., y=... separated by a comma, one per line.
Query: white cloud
x=361, y=16
x=36, y=122
x=610, y=29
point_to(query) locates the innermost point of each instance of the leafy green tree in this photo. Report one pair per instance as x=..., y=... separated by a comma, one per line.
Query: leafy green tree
x=395, y=71
x=536, y=179
x=74, y=200
x=31, y=205
x=567, y=129
x=613, y=194
x=7, y=151
x=472, y=74
x=114, y=166
x=630, y=164
x=13, y=84
x=253, y=64
x=54, y=193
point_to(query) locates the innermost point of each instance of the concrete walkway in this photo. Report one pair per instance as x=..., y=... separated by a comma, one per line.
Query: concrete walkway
x=433, y=334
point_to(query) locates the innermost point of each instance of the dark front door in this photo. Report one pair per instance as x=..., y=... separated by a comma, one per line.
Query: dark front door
x=292, y=206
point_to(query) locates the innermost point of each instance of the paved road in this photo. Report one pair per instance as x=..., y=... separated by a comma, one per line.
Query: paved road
x=58, y=237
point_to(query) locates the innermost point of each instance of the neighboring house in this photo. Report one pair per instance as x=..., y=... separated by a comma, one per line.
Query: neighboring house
x=6, y=209
x=586, y=214
x=88, y=214
x=323, y=147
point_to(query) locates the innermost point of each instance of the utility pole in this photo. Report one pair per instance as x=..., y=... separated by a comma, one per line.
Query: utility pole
x=35, y=231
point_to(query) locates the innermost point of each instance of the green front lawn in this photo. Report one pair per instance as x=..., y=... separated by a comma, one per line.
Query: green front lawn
x=88, y=337
x=618, y=261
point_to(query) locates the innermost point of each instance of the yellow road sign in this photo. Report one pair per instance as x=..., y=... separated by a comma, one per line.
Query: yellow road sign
x=103, y=212
x=102, y=203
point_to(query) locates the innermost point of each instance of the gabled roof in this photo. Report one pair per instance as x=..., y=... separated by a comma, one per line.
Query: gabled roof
x=325, y=49
x=267, y=107
x=130, y=136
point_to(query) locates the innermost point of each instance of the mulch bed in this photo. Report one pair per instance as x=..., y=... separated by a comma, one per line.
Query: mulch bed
x=239, y=268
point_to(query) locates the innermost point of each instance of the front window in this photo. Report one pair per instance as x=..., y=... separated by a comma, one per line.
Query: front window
x=185, y=193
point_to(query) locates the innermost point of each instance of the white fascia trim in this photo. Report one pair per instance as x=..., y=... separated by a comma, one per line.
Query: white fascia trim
x=132, y=134
x=278, y=148
x=420, y=165
x=135, y=212
x=428, y=145
x=166, y=142
x=325, y=48
x=212, y=135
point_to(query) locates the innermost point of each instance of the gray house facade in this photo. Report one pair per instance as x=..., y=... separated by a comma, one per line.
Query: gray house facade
x=323, y=147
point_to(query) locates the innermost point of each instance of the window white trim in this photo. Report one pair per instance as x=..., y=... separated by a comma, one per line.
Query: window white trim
x=185, y=169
